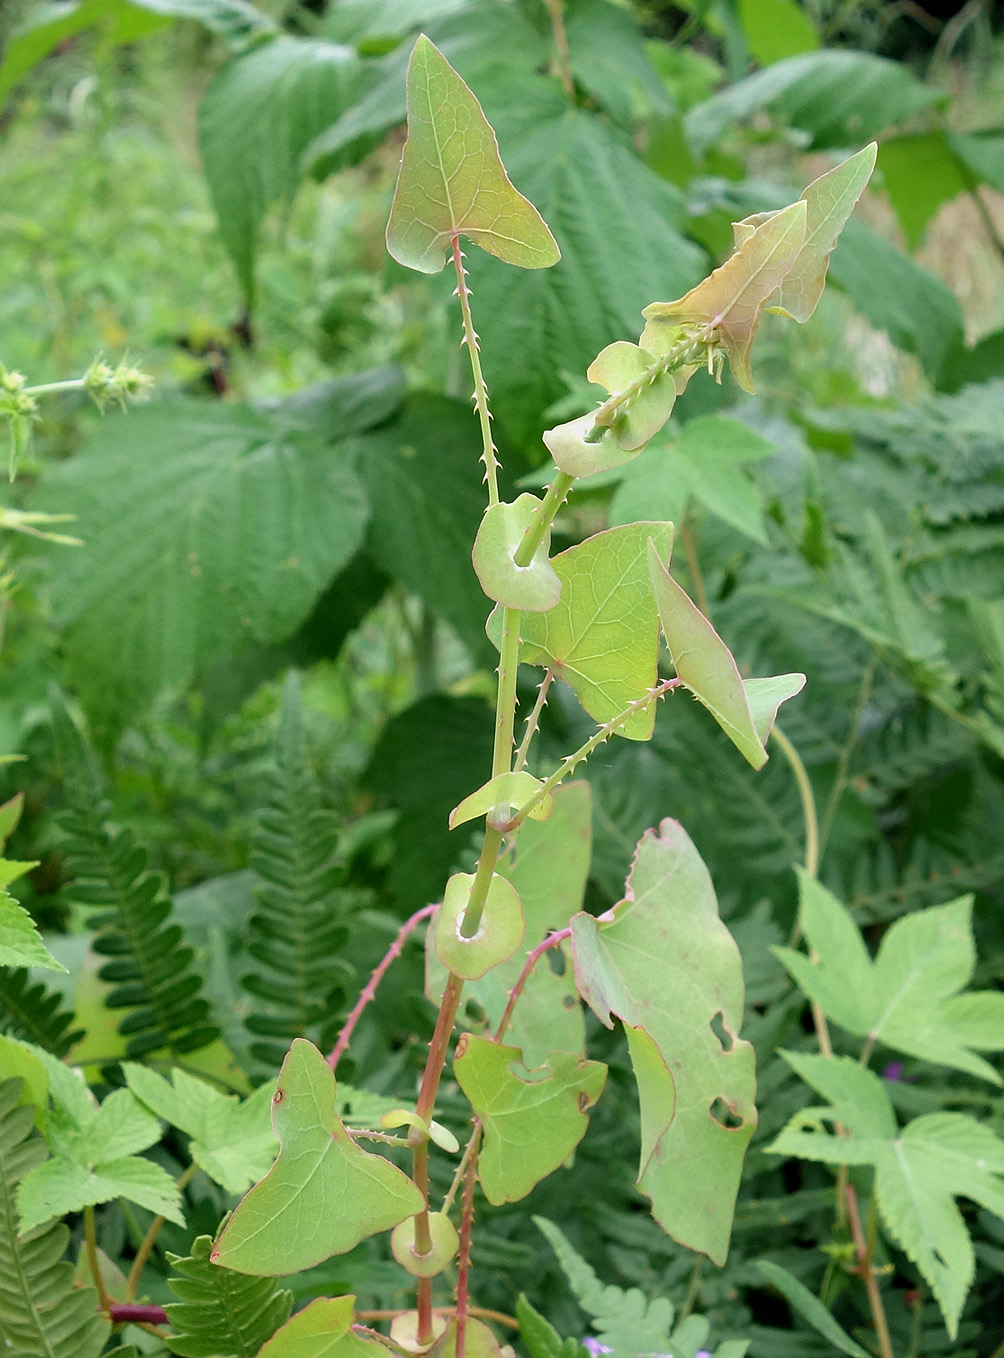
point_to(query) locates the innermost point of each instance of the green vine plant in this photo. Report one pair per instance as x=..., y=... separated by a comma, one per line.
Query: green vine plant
x=323, y=1166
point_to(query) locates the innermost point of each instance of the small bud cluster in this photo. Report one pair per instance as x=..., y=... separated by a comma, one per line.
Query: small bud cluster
x=105, y=384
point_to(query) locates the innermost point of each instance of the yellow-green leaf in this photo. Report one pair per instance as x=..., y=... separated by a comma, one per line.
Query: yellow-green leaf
x=322, y=1330
x=452, y=181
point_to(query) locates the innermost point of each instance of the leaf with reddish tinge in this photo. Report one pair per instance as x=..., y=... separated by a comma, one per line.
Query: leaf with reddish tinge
x=725, y=308
x=452, y=180
x=664, y=963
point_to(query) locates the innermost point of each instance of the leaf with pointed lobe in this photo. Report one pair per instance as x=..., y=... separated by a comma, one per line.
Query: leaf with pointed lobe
x=452, y=181
x=323, y=1329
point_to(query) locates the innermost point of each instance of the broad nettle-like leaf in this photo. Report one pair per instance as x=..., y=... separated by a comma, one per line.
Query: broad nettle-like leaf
x=744, y=709
x=919, y=1170
x=920, y=172
x=231, y=1139
x=829, y=201
x=323, y=1329
x=664, y=964
x=452, y=181
x=912, y=997
x=602, y=635
x=725, y=308
x=324, y=1194
x=95, y=1155
x=532, y=1121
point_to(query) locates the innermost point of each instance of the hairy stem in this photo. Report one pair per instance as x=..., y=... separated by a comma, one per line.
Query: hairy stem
x=370, y=988
x=488, y=449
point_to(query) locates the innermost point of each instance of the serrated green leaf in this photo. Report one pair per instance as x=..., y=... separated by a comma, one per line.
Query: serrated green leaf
x=602, y=635
x=726, y=306
x=20, y=942
x=532, y=1123
x=706, y=666
x=262, y=109
x=10, y=814
x=667, y=927
x=506, y=789
x=920, y=171
x=609, y=59
x=912, y=997
x=62, y=1185
x=323, y=1329
x=206, y=526
x=856, y=1095
x=534, y=588
x=540, y=1337
x=810, y=1308
x=232, y=1139
x=918, y=1174
x=324, y=1194
x=776, y=29
x=452, y=180
x=220, y=1314
x=839, y=97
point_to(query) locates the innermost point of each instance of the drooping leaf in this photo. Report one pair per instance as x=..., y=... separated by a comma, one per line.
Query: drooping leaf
x=220, y=1313
x=533, y=1122
x=602, y=635
x=533, y=588
x=323, y=1329
x=452, y=180
x=689, y=1078
x=232, y=1139
x=727, y=305
x=708, y=461
x=206, y=526
x=920, y=171
x=43, y=1312
x=913, y=996
x=776, y=29
x=262, y=109
x=706, y=666
x=324, y=1194
x=807, y=1305
x=838, y=96
x=919, y=1171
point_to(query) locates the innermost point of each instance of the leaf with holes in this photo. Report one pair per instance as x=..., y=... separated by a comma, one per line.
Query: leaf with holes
x=602, y=635
x=324, y=1194
x=452, y=181
x=919, y=1169
x=912, y=996
x=664, y=963
x=532, y=1121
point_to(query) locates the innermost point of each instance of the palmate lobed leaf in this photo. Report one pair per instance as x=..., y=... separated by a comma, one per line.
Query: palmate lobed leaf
x=912, y=996
x=452, y=180
x=919, y=1170
x=664, y=963
x=324, y=1194
x=533, y=1122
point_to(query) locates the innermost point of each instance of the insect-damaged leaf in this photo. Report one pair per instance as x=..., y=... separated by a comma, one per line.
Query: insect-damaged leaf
x=829, y=201
x=726, y=306
x=601, y=636
x=745, y=710
x=452, y=180
x=664, y=963
x=324, y=1194
x=532, y=1122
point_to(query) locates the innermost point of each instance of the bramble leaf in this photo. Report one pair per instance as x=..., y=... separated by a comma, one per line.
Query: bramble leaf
x=725, y=308
x=532, y=1124
x=919, y=1171
x=20, y=942
x=324, y=1194
x=452, y=180
x=664, y=963
x=322, y=1330
x=534, y=588
x=232, y=1139
x=602, y=637
x=706, y=666
x=912, y=996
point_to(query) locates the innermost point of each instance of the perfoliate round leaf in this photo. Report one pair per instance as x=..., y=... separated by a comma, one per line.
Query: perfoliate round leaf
x=445, y=1243
x=617, y=367
x=532, y=589
x=499, y=934
x=575, y=457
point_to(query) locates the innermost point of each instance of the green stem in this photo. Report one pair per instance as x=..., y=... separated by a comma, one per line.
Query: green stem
x=807, y=797
x=147, y=1244
x=91, y=1247
x=505, y=703
x=48, y=388
x=543, y=518
x=488, y=450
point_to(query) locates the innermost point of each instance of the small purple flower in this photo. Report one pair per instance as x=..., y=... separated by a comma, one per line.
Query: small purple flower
x=594, y=1347
x=894, y=1073
x=702, y=1353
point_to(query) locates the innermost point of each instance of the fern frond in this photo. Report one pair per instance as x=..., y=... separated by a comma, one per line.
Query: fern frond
x=150, y=967
x=220, y=1313
x=43, y=1312
x=300, y=923
x=29, y=1011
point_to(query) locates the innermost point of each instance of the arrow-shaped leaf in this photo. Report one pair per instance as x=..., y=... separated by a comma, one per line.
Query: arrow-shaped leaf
x=324, y=1194
x=322, y=1330
x=532, y=1122
x=452, y=181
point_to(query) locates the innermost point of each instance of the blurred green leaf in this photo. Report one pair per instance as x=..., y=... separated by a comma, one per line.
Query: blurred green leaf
x=776, y=29
x=609, y=59
x=920, y=171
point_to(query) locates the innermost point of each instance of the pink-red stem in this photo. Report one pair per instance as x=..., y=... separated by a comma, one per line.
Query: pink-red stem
x=464, y=1254
x=370, y=988
x=550, y=942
